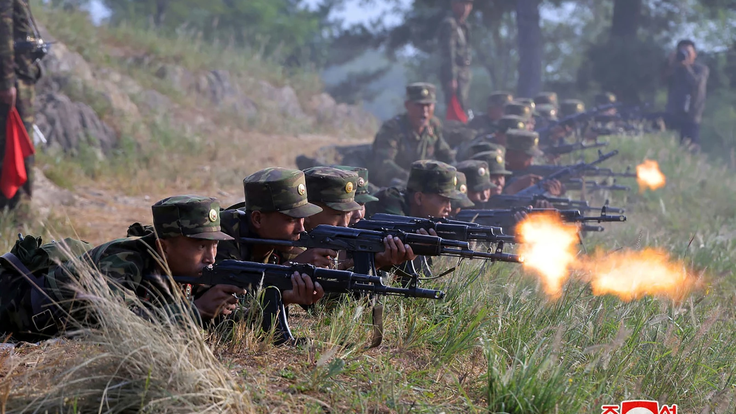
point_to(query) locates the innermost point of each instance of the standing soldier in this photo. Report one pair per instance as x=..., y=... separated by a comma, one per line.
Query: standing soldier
x=415, y=135
x=454, y=39
x=19, y=71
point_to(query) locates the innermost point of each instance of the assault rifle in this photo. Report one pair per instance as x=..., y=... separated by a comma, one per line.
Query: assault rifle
x=562, y=149
x=545, y=170
x=253, y=276
x=364, y=244
x=506, y=218
x=449, y=229
x=574, y=119
x=568, y=171
x=576, y=184
x=506, y=201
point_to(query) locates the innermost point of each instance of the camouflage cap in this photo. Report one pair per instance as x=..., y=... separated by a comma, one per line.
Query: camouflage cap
x=510, y=122
x=518, y=109
x=546, y=111
x=421, y=92
x=571, y=106
x=462, y=187
x=333, y=187
x=278, y=190
x=500, y=98
x=527, y=101
x=477, y=174
x=546, y=98
x=433, y=177
x=362, y=195
x=188, y=215
x=496, y=162
x=523, y=141
x=479, y=146
x=605, y=98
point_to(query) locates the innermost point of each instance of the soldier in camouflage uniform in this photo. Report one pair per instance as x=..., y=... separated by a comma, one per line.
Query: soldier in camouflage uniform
x=546, y=98
x=520, y=153
x=571, y=107
x=430, y=189
x=464, y=202
x=415, y=135
x=478, y=180
x=486, y=123
x=18, y=74
x=455, y=54
x=487, y=142
x=187, y=231
x=362, y=193
x=334, y=191
x=275, y=207
x=497, y=173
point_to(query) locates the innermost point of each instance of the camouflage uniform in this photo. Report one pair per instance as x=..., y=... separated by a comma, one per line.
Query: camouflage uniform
x=483, y=123
x=332, y=187
x=131, y=263
x=362, y=192
x=526, y=142
x=19, y=70
x=546, y=98
x=477, y=173
x=490, y=142
x=397, y=145
x=268, y=190
x=571, y=107
x=455, y=57
x=462, y=187
x=426, y=176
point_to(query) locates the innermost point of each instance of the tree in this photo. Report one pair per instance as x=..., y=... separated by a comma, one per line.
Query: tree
x=530, y=46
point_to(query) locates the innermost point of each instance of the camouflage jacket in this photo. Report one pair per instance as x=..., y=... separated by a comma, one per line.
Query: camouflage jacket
x=234, y=222
x=454, y=40
x=391, y=200
x=397, y=145
x=483, y=124
x=15, y=24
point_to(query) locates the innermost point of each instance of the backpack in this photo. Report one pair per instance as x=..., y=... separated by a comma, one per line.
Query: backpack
x=27, y=293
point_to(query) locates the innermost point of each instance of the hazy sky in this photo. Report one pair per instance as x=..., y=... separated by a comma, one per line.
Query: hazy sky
x=353, y=11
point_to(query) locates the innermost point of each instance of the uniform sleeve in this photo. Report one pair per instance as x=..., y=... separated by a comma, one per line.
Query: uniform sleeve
x=385, y=150
x=448, y=70
x=7, y=58
x=442, y=151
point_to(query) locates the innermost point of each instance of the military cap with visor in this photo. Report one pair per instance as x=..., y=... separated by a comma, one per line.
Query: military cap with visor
x=605, y=98
x=496, y=162
x=477, y=174
x=421, y=92
x=510, y=122
x=433, y=177
x=192, y=216
x=546, y=111
x=526, y=101
x=462, y=187
x=518, y=109
x=523, y=141
x=571, y=107
x=546, y=98
x=332, y=187
x=500, y=98
x=362, y=194
x=280, y=190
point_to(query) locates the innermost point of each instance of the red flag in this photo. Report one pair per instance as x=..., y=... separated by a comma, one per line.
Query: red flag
x=18, y=146
x=455, y=111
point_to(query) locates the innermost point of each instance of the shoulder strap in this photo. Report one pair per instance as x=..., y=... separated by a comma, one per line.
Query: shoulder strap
x=37, y=296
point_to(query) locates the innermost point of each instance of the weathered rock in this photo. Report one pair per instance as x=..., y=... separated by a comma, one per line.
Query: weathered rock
x=153, y=101
x=341, y=116
x=67, y=124
x=284, y=98
x=219, y=88
x=177, y=76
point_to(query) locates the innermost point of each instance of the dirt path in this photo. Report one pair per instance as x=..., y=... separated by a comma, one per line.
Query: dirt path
x=98, y=213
